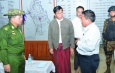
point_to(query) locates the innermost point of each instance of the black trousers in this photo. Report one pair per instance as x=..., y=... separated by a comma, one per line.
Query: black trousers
x=76, y=61
x=89, y=64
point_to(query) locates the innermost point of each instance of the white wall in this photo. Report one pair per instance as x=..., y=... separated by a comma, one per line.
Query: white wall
x=40, y=12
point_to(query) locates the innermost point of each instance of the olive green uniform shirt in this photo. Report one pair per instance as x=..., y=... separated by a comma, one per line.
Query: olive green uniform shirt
x=11, y=41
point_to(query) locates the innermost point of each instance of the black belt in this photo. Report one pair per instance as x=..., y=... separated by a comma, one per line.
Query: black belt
x=91, y=56
x=15, y=54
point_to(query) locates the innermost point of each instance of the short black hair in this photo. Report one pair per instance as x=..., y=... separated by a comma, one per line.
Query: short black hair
x=80, y=7
x=89, y=14
x=57, y=8
x=9, y=17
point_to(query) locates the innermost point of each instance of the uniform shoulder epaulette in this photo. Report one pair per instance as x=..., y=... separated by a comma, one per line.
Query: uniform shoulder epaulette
x=106, y=21
x=6, y=27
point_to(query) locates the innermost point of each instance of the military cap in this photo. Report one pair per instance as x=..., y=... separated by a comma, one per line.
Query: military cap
x=13, y=12
x=112, y=8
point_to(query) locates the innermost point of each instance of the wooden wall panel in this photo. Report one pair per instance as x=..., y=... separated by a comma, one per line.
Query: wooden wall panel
x=38, y=49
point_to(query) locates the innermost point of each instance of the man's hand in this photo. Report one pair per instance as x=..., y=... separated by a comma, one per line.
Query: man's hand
x=51, y=51
x=77, y=41
x=7, y=68
x=72, y=51
x=24, y=57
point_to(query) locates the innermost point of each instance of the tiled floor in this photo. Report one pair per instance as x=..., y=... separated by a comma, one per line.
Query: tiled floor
x=102, y=65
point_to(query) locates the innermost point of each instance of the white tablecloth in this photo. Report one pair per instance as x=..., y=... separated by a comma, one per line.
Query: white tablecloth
x=36, y=66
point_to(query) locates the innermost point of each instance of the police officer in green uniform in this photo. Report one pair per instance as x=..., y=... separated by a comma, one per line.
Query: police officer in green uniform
x=12, y=43
x=109, y=37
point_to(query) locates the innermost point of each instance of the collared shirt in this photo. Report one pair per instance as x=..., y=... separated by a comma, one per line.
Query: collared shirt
x=90, y=41
x=78, y=28
x=60, y=38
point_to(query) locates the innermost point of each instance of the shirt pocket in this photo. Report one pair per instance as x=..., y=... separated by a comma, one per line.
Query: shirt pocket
x=14, y=39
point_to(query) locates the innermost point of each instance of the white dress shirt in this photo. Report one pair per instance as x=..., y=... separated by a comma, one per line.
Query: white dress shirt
x=90, y=41
x=78, y=28
x=60, y=38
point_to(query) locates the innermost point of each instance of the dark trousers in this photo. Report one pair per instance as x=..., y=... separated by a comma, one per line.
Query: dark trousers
x=76, y=61
x=89, y=64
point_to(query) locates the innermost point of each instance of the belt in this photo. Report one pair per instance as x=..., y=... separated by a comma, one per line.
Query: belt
x=91, y=56
x=15, y=54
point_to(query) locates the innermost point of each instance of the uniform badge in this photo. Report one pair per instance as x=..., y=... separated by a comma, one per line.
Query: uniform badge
x=6, y=28
x=13, y=33
x=19, y=12
x=12, y=27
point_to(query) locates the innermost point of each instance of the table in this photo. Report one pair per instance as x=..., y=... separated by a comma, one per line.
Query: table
x=36, y=66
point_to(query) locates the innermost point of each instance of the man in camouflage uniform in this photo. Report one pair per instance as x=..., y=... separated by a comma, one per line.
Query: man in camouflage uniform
x=12, y=43
x=109, y=46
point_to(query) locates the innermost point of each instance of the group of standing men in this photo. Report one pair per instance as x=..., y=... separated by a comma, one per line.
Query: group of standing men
x=80, y=38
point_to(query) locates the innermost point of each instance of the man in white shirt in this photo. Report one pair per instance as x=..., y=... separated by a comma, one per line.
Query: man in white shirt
x=88, y=45
x=77, y=25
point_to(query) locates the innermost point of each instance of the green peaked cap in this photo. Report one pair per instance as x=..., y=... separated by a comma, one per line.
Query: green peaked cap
x=13, y=12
